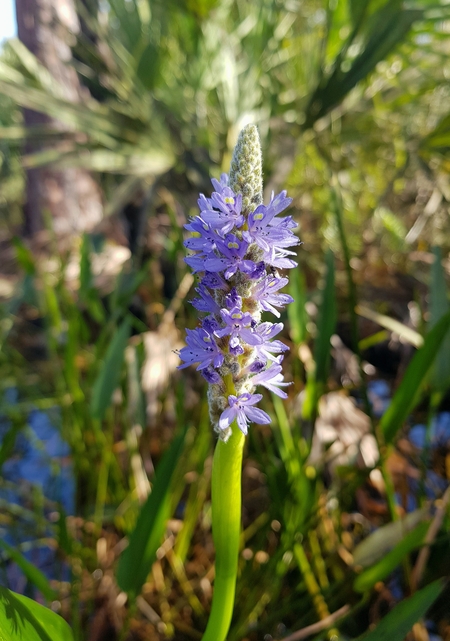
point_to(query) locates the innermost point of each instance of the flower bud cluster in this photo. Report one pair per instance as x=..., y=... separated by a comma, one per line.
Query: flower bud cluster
x=238, y=246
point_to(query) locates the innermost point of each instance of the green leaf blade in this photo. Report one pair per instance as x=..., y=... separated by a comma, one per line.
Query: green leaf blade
x=439, y=306
x=406, y=395
x=109, y=375
x=136, y=561
x=396, y=625
x=383, y=568
x=33, y=574
x=22, y=619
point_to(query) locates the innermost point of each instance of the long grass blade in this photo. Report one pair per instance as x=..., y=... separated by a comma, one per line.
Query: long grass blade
x=439, y=306
x=396, y=625
x=383, y=568
x=33, y=574
x=408, y=391
x=138, y=558
x=109, y=375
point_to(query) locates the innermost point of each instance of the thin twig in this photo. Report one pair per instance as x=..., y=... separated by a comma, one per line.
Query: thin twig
x=319, y=626
x=434, y=528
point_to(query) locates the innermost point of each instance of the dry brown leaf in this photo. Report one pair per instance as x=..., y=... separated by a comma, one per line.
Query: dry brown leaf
x=342, y=434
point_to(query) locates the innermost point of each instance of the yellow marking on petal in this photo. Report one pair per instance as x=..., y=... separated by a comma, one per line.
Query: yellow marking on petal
x=258, y=216
x=206, y=339
x=238, y=315
x=233, y=245
x=273, y=283
x=229, y=200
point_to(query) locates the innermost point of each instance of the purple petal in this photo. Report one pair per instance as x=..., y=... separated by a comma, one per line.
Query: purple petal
x=257, y=416
x=227, y=417
x=242, y=422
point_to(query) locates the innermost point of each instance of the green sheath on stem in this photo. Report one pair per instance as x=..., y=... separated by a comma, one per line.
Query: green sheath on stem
x=226, y=523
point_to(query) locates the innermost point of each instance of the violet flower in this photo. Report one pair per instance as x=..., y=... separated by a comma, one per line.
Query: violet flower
x=241, y=409
x=237, y=241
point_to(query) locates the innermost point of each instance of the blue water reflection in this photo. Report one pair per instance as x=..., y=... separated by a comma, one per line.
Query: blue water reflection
x=37, y=481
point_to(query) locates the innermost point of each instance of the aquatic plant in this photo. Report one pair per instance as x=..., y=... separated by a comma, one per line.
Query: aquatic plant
x=239, y=244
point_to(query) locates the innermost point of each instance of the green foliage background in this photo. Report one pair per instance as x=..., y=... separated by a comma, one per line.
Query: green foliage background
x=352, y=102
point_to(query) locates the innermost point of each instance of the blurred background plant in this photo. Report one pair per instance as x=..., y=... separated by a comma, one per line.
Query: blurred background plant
x=108, y=132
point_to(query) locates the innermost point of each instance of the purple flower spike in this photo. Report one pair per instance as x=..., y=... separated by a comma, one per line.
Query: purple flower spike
x=236, y=243
x=241, y=409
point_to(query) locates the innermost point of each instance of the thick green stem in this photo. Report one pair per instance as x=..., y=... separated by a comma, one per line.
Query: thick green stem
x=226, y=526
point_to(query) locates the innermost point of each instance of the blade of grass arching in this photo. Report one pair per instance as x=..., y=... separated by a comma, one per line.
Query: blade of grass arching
x=22, y=619
x=33, y=574
x=109, y=376
x=374, y=339
x=396, y=625
x=406, y=396
x=383, y=568
x=375, y=546
x=136, y=561
x=391, y=324
x=439, y=306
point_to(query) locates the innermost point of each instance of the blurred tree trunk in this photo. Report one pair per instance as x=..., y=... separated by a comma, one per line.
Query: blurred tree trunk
x=71, y=196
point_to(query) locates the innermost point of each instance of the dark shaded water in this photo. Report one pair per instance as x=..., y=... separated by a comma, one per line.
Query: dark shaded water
x=36, y=483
